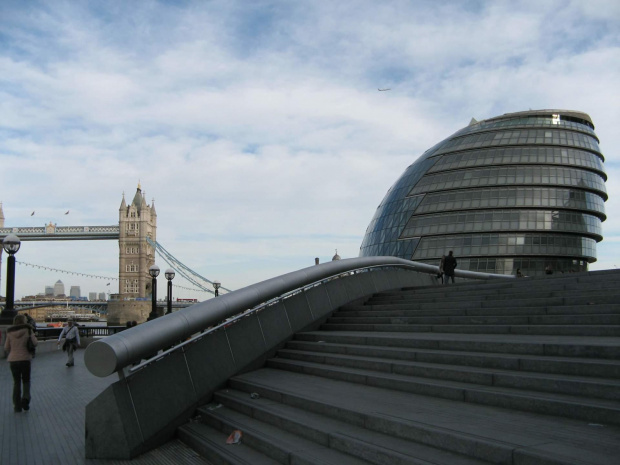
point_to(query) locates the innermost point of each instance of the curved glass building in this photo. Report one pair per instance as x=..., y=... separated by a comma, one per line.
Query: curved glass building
x=522, y=190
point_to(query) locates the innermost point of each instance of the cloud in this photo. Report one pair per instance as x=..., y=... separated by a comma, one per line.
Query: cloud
x=257, y=128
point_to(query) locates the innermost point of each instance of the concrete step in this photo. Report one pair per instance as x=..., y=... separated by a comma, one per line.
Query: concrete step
x=211, y=444
x=597, y=319
x=601, y=388
x=561, y=330
x=561, y=346
x=608, y=292
x=375, y=447
x=488, y=290
x=591, y=410
x=556, y=281
x=279, y=444
x=517, y=300
x=406, y=310
x=479, y=431
x=598, y=368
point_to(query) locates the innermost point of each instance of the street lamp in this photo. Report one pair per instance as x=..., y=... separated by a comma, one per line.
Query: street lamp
x=11, y=245
x=169, y=276
x=154, y=272
x=216, y=285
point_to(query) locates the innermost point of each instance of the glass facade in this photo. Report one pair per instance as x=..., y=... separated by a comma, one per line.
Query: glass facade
x=523, y=190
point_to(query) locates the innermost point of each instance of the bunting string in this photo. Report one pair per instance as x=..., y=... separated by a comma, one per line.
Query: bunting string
x=86, y=275
x=74, y=273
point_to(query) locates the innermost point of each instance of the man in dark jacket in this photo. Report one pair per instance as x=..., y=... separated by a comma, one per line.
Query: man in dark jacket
x=448, y=267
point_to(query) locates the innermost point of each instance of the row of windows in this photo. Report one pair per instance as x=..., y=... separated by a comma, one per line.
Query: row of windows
x=523, y=137
x=503, y=220
x=382, y=235
x=519, y=155
x=133, y=227
x=131, y=286
x=132, y=250
x=530, y=122
x=391, y=216
x=131, y=268
x=398, y=192
x=506, y=244
x=394, y=213
x=510, y=175
x=512, y=197
x=396, y=248
x=528, y=266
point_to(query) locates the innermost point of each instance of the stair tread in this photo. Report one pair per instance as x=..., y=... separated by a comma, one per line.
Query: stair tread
x=611, y=363
x=236, y=454
x=554, y=397
x=334, y=428
x=514, y=428
x=286, y=442
x=603, y=341
x=584, y=379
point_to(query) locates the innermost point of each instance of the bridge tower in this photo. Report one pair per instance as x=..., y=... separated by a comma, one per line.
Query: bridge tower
x=136, y=221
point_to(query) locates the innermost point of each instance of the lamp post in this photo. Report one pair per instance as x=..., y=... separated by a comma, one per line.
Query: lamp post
x=169, y=276
x=216, y=285
x=11, y=244
x=154, y=272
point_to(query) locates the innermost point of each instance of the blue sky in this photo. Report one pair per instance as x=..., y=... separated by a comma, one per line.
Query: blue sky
x=257, y=126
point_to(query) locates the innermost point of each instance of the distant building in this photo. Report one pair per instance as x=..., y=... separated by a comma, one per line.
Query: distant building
x=519, y=191
x=59, y=289
x=49, y=291
x=92, y=296
x=75, y=292
x=102, y=296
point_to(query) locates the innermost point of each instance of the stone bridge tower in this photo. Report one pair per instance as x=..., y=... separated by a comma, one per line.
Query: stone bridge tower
x=137, y=222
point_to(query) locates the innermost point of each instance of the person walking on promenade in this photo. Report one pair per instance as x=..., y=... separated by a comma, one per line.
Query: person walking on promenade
x=448, y=267
x=16, y=344
x=71, y=333
x=441, y=264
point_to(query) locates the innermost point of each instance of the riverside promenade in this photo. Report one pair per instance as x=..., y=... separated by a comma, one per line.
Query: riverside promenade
x=52, y=431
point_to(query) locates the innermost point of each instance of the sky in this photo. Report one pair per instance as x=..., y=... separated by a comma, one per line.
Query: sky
x=257, y=127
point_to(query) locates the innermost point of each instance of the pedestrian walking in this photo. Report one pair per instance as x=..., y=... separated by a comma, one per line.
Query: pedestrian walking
x=20, y=350
x=71, y=334
x=449, y=265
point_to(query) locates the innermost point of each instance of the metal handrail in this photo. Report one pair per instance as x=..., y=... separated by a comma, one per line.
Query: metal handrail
x=46, y=334
x=118, y=351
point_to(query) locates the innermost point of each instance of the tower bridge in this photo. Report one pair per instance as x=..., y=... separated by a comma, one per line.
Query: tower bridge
x=136, y=234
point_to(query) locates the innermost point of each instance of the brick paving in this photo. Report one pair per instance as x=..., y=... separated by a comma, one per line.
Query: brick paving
x=52, y=432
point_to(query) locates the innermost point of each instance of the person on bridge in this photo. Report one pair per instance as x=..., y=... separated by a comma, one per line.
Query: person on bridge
x=71, y=333
x=19, y=359
x=448, y=267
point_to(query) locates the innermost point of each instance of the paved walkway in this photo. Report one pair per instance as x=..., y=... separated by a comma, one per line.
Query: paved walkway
x=52, y=432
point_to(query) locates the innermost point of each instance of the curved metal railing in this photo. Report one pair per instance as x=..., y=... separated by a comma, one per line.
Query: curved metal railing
x=144, y=342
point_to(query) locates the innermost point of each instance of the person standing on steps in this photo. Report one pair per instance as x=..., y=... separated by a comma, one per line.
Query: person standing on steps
x=19, y=359
x=71, y=334
x=448, y=268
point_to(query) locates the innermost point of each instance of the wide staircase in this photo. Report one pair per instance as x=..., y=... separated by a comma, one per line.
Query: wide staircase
x=523, y=371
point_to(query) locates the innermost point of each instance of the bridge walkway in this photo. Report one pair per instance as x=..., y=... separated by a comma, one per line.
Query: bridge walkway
x=52, y=432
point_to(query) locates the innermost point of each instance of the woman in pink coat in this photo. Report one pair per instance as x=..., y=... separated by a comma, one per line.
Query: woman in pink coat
x=19, y=359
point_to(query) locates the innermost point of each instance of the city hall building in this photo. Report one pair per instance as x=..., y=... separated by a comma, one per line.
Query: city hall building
x=519, y=191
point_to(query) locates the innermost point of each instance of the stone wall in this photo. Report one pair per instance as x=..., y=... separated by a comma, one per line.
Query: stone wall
x=122, y=311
